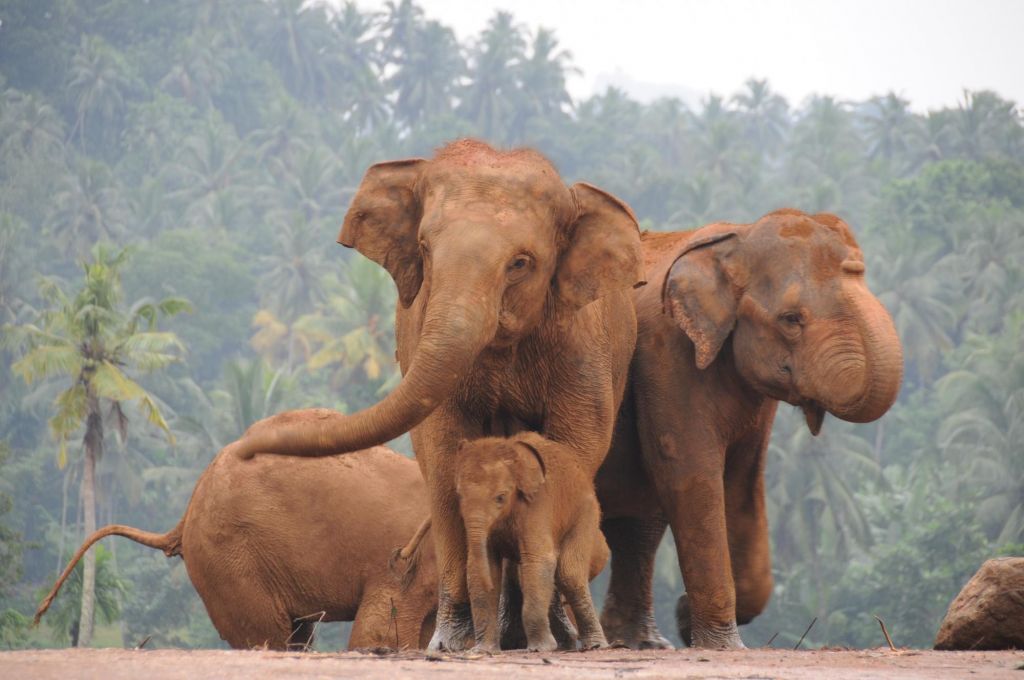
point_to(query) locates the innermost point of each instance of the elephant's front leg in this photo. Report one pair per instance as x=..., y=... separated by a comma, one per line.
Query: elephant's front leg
x=435, y=443
x=693, y=497
x=454, y=630
x=537, y=575
x=749, y=548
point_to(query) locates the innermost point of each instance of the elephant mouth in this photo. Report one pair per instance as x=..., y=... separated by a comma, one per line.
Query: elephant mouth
x=815, y=415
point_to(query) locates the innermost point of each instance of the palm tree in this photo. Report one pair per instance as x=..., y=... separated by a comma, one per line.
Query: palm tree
x=295, y=35
x=542, y=77
x=29, y=128
x=353, y=332
x=402, y=23
x=490, y=98
x=985, y=124
x=99, y=80
x=91, y=339
x=89, y=207
x=354, y=60
x=428, y=74
x=984, y=429
x=765, y=115
x=890, y=127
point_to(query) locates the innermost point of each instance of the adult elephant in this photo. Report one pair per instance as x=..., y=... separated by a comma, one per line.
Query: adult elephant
x=279, y=544
x=514, y=314
x=740, y=317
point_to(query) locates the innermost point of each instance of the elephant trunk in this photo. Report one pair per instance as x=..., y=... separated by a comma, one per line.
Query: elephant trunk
x=868, y=395
x=458, y=324
x=478, y=567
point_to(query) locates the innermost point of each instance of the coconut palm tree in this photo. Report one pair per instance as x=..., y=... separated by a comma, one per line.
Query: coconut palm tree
x=89, y=207
x=98, y=82
x=765, y=115
x=428, y=74
x=91, y=339
x=981, y=436
x=491, y=97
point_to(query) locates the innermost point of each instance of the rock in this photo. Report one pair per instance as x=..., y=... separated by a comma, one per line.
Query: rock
x=989, y=611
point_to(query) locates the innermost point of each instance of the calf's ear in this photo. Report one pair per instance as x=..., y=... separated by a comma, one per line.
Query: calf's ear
x=528, y=467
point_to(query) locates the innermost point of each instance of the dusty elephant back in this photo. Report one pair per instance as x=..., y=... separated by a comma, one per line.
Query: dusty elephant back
x=300, y=535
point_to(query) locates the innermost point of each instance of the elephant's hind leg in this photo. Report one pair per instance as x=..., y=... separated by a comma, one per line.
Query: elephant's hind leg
x=628, y=615
x=253, y=623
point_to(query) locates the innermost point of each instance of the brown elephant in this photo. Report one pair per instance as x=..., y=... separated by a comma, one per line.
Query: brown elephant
x=741, y=316
x=528, y=500
x=272, y=544
x=514, y=314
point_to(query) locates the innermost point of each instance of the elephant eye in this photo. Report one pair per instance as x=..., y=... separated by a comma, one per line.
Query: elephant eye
x=499, y=499
x=518, y=267
x=793, y=318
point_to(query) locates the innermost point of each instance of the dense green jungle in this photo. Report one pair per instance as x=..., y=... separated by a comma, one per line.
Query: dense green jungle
x=172, y=180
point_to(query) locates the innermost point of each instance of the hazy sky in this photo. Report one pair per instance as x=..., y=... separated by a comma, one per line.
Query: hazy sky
x=927, y=50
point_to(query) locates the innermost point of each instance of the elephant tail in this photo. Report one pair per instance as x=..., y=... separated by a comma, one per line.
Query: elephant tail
x=170, y=543
x=408, y=555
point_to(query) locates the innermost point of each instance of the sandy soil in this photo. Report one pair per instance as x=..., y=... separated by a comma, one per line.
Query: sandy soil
x=118, y=664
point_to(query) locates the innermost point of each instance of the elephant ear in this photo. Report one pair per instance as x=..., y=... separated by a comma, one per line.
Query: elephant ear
x=528, y=468
x=383, y=223
x=698, y=294
x=603, y=253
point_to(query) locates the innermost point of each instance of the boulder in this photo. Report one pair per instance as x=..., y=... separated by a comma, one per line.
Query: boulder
x=989, y=611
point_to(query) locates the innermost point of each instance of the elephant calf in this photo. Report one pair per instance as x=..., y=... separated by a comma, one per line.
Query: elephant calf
x=270, y=541
x=528, y=499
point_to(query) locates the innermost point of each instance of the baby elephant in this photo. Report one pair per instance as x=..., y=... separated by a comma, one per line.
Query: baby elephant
x=528, y=500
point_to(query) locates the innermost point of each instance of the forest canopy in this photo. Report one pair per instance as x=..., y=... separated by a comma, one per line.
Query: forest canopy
x=202, y=154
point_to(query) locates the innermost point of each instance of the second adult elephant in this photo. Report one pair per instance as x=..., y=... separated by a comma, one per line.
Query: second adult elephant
x=738, y=317
x=276, y=545
x=514, y=314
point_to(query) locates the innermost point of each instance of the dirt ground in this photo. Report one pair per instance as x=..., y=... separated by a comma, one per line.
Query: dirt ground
x=118, y=664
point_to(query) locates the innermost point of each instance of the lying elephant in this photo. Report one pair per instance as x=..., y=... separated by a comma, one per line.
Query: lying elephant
x=270, y=544
x=737, y=318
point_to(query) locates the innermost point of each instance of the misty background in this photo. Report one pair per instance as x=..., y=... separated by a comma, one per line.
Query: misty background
x=220, y=141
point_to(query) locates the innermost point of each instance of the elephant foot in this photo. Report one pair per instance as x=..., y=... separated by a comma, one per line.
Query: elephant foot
x=595, y=641
x=705, y=636
x=546, y=643
x=454, y=633
x=635, y=630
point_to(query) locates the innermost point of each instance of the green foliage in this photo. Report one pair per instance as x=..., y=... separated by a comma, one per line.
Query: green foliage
x=62, y=619
x=223, y=141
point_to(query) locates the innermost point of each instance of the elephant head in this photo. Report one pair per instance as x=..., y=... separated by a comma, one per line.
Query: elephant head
x=788, y=292
x=493, y=477
x=485, y=247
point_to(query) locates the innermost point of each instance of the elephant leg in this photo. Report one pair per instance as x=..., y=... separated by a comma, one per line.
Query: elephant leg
x=454, y=630
x=694, y=501
x=749, y=547
x=537, y=575
x=385, y=619
x=513, y=634
x=573, y=580
x=302, y=637
x=628, y=615
x=261, y=624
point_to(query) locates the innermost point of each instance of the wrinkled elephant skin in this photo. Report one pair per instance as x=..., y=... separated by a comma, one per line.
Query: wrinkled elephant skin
x=514, y=314
x=736, y=318
x=271, y=544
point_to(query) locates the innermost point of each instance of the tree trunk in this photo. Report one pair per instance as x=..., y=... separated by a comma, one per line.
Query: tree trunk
x=93, y=448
